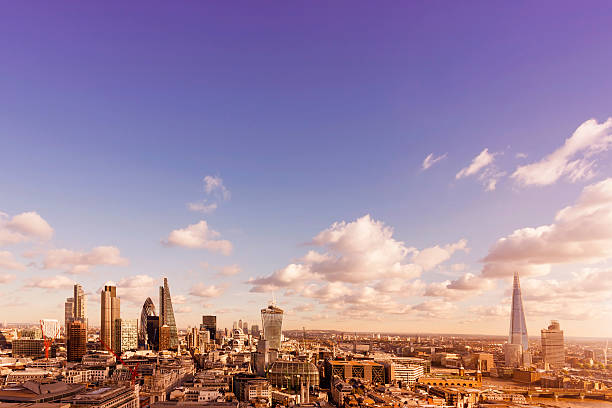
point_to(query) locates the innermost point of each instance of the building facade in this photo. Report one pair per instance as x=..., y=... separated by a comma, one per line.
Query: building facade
x=272, y=321
x=553, y=348
x=126, y=335
x=76, y=340
x=148, y=309
x=209, y=323
x=110, y=311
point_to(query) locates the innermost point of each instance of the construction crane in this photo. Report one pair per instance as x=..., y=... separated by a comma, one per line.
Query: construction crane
x=133, y=371
x=49, y=333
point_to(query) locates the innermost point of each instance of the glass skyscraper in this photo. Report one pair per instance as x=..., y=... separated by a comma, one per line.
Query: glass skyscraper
x=148, y=309
x=166, y=314
x=518, y=327
x=272, y=320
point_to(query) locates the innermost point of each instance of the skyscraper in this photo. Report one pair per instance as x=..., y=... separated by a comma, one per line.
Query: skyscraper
x=153, y=333
x=79, y=304
x=148, y=309
x=166, y=314
x=518, y=327
x=272, y=321
x=209, y=323
x=553, y=350
x=76, y=340
x=110, y=311
x=126, y=335
x=68, y=312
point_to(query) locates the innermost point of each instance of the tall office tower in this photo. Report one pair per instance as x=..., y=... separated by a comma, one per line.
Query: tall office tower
x=240, y=324
x=110, y=308
x=234, y=325
x=255, y=331
x=76, y=340
x=153, y=333
x=209, y=323
x=80, y=304
x=164, y=337
x=272, y=321
x=68, y=312
x=148, y=309
x=553, y=351
x=518, y=327
x=166, y=313
x=126, y=335
x=245, y=327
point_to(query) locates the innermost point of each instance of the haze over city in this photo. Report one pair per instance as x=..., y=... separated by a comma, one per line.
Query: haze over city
x=374, y=169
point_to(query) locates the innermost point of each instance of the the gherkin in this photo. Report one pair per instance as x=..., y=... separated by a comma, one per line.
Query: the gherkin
x=166, y=313
x=518, y=327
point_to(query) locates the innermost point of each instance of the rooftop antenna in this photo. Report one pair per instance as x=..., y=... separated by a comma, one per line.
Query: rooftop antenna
x=273, y=302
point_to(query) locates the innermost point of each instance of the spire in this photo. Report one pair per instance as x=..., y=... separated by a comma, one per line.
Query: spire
x=518, y=327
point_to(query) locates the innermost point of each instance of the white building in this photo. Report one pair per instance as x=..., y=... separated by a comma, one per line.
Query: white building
x=126, y=332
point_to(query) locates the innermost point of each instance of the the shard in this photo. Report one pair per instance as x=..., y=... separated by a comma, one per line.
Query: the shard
x=518, y=328
x=166, y=313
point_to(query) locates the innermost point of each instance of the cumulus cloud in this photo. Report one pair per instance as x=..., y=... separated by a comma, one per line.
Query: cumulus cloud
x=356, y=252
x=214, y=185
x=202, y=290
x=430, y=160
x=203, y=207
x=199, y=236
x=75, y=262
x=230, y=270
x=573, y=161
x=479, y=162
x=137, y=281
x=24, y=227
x=183, y=309
x=50, y=282
x=580, y=233
x=8, y=262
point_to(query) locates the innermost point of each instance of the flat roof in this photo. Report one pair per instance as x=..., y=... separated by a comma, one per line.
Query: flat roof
x=355, y=362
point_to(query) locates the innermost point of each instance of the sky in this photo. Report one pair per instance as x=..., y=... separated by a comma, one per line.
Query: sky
x=380, y=167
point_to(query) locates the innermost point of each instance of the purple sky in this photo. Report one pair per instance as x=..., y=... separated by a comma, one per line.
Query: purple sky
x=112, y=114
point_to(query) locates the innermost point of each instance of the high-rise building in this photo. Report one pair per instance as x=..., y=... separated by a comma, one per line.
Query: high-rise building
x=148, y=309
x=110, y=308
x=209, y=323
x=255, y=331
x=518, y=329
x=126, y=335
x=164, y=337
x=68, y=312
x=79, y=304
x=76, y=340
x=153, y=333
x=166, y=314
x=245, y=327
x=50, y=328
x=272, y=321
x=553, y=350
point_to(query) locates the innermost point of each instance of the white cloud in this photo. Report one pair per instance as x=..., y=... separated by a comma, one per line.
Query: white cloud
x=430, y=160
x=214, y=185
x=432, y=257
x=201, y=290
x=24, y=227
x=79, y=262
x=574, y=160
x=479, y=162
x=50, y=282
x=8, y=262
x=203, y=207
x=6, y=278
x=580, y=233
x=230, y=270
x=199, y=236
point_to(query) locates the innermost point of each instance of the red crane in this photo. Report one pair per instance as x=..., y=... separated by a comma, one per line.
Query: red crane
x=134, y=370
x=48, y=340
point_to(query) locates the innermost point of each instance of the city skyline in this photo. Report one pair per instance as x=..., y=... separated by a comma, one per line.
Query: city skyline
x=368, y=179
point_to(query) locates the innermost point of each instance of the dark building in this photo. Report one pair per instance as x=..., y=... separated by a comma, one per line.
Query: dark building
x=153, y=332
x=148, y=310
x=76, y=340
x=209, y=323
x=34, y=348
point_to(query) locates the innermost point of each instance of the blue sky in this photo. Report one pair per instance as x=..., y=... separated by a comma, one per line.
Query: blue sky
x=113, y=114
